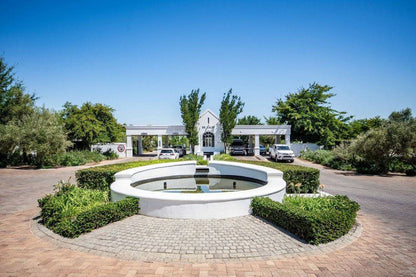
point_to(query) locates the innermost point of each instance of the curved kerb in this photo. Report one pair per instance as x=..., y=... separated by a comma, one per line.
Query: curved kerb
x=197, y=206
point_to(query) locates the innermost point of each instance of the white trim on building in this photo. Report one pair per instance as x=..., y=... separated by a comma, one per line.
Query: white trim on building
x=209, y=134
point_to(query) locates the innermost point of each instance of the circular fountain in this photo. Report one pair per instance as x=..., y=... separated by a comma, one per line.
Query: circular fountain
x=187, y=190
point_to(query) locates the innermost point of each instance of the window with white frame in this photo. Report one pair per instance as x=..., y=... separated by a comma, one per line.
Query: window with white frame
x=208, y=139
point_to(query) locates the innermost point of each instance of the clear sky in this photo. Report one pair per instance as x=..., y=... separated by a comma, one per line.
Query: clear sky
x=139, y=57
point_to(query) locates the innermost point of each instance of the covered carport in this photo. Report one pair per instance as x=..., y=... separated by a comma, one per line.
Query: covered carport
x=151, y=130
x=258, y=130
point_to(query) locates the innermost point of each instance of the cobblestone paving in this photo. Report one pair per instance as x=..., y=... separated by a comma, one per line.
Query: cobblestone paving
x=382, y=249
x=147, y=238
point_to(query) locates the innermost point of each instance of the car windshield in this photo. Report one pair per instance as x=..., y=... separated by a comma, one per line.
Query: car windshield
x=283, y=148
x=237, y=143
x=166, y=151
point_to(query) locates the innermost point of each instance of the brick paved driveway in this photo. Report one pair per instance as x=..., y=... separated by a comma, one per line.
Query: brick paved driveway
x=383, y=249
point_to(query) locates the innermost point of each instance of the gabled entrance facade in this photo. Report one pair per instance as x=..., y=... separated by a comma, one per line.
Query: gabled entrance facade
x=209, y=134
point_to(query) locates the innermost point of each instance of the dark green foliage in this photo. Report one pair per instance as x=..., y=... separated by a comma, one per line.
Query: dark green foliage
x=101, y=177
x=310, y=116
x=249, y=120
x=83, y=218
x=231, y=107
x=14, y=102
x=294, y=174
x=72, y=211
x=110, y=154
x=190, y=109
x=91, y=123
x=74, y=158
x=315, y=220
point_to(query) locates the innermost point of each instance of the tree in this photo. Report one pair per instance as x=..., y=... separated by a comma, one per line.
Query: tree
x=190, y=109
x=360, y=126
x=231, y=107
x=401, y=116
x=272, y=120
x=14, y=102
x=311, y=117
x=378, y=147
x=39, y=132
x=91, y=123
x=249, y=120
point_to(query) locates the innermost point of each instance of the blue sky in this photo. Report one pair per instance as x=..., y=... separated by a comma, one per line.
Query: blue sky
x=139, y=57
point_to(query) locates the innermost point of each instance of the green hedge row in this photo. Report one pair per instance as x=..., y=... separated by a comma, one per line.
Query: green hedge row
x=315, y=226
x=307, y=177
x=101, y=177
x=86, y=220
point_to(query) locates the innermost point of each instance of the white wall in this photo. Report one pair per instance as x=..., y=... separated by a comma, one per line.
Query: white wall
x=298, y=147
x=118, y=148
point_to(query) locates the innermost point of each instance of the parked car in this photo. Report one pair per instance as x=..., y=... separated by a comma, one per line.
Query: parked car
x=168, y=154
x=238, y=147
x=281, y=152
x=181, y=150
x=263, y=150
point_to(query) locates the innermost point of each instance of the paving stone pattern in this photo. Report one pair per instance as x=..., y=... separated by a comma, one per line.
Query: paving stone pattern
x=383, y=248
x=147, y=238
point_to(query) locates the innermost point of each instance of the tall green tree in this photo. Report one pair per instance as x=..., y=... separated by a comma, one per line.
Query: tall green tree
x=190, y=110
x=312, y=119
x=231, y=107
x=39, y=132
x=91, y=123
x=14, y=102
x=249, y=120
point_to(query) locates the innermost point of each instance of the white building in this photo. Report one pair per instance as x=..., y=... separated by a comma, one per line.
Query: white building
x=209, y=134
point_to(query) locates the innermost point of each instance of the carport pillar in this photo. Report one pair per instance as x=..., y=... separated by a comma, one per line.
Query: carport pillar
x=257, y=145
x=166, y=141
x=129, y=148
x=250, y=145
x=278, y=139
x=139, y=145
x=287, y=139
x=159, y=143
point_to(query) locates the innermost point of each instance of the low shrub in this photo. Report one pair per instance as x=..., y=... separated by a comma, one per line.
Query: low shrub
x=72, y=211
x=315, y=220
x=110, y=154
x=192, y=157
x=224, y=157
x=339, y=158
x=74, y=158
x=307, y=177
x=101, y=177
x=318, y=156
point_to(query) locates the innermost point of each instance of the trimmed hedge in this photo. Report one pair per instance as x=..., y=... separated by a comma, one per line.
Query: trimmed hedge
x=295, y=174
x=314, y=226
x=87, y=218
x=101, y=177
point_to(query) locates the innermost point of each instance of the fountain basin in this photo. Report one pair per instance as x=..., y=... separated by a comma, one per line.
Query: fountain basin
x=197, y=205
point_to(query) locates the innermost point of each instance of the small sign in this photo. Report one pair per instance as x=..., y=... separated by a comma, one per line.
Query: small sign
x=121, y=148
